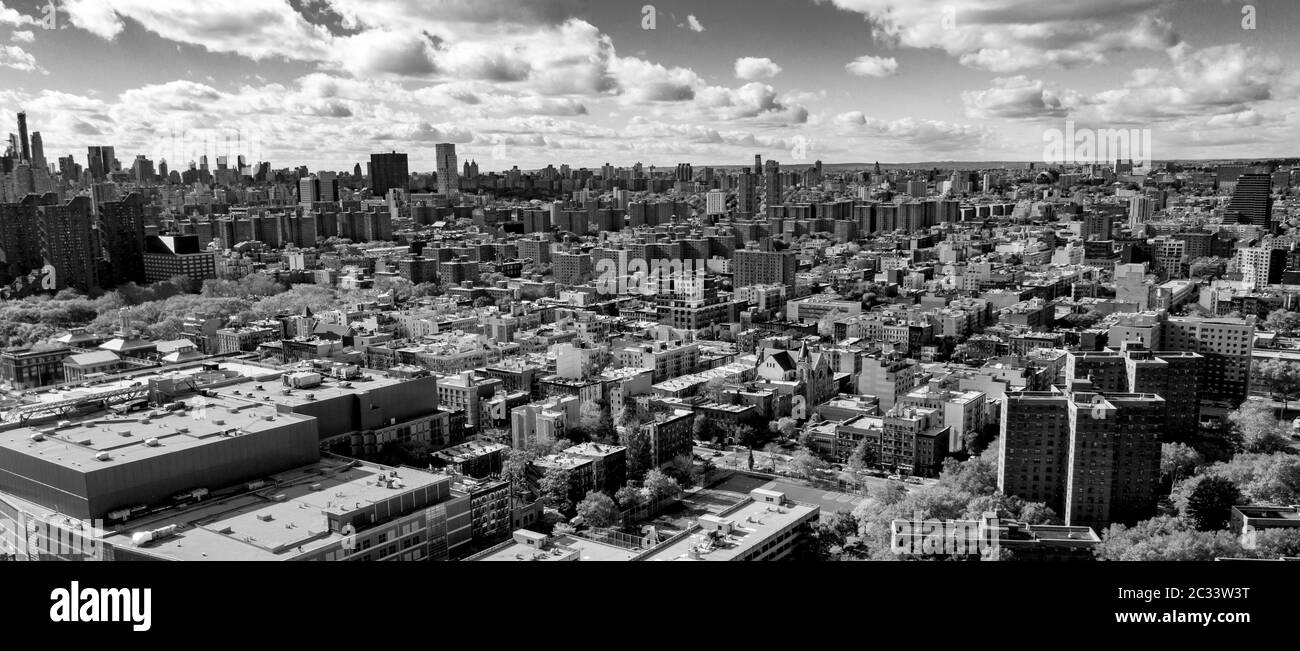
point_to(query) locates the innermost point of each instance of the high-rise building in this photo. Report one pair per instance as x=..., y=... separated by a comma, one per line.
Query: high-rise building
x=1225, y=343
x=448, y=178
x=571, y=268
x=100, y=161
x=38, y=151
x=68, y=243
x=388, y=172
x=308, y=190
x=772, y=183
x=746, y=193
x=20, y=243
x=327, y=189
x=1261, y=266
x=1094, y=457
x=1140, y=210
x=754, y=267
x=1252, y=200
x=22, y=137
x=121, y=234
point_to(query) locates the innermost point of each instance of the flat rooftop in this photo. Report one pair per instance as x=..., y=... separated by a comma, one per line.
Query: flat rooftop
x=753, y=523
x=124, y=438
x=558, y=548
x=254, y=526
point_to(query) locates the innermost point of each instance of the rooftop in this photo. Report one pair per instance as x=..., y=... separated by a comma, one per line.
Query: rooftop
x=104, y=440
x=738, y=530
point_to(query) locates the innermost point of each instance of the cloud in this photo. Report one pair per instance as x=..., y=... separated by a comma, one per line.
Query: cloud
x=920, y=133
x=13, y=17
x=23, y=36
x=1218, y=80
x=12, y=56
x=751, y=68
x=694, y=23
x=1012, y=35
x=257, y=29
x=388, y=53
x=869, y=66
x=1015, y=98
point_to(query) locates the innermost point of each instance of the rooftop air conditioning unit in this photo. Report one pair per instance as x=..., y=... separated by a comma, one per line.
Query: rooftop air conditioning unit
x=153, y=443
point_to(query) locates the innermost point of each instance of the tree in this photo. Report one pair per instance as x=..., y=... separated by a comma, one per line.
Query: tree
x=629, y=496
x=1274, y=543
x=864, y=456
x=554, y=489
x=890, y=492
x=1178, y=460
x=660, y=486
x=1259, y=430
x=598, y=510
x=1209, y=503
x=786, y=426
x=1165, y=538
x=515, y=470
x=1262, y=478
x=806, y=464
x=1282, y=322
x=683, y=469
x=1283, y=378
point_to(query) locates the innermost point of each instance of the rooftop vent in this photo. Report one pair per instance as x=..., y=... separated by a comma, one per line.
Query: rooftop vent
x=103, y=456
x=153, y=443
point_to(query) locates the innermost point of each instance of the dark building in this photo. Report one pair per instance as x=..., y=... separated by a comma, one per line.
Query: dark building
x=166, y=256
x=121, y=231
x=69, y=244
x=20, y=247
x=388, y=171
x=1252, y=200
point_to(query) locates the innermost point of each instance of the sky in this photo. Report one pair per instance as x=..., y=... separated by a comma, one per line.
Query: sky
x=324, y=83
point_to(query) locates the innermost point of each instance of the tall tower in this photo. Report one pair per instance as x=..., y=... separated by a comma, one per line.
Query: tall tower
x=22, y=136
x=38, y=151
x=448, y=175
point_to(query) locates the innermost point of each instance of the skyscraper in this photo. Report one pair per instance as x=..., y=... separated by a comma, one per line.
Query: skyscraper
x=99, y=161
x=772, y=183
x=38, y=151
x=448, y=176
x=1252, y=200
x=746, y=193
x=22, y=136
x=388, y=171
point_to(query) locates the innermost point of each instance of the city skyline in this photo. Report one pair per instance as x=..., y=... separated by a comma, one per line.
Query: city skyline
x=326, y=83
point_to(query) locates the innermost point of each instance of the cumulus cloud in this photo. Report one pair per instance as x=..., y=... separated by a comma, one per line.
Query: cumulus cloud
x=869, y=66
x=12, y=56
x=1218, y=80
x=12, y=17
x=752, y=68
x=23, y=36
x=1015, y=98
x=257, y=29
x=920, y=133
x=694, y=23
x=1013, y=35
